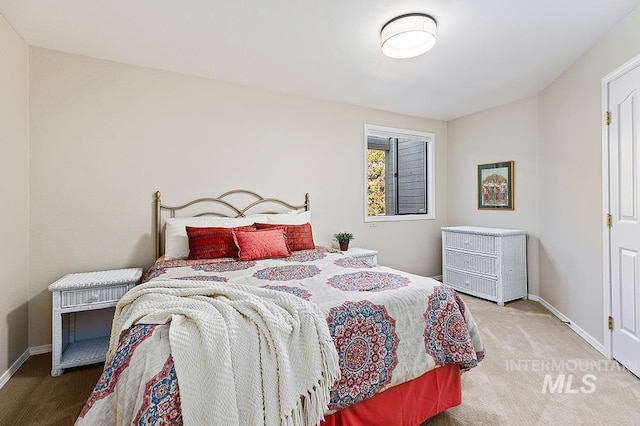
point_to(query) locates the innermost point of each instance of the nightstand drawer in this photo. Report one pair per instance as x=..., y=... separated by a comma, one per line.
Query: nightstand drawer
x=472, y=284
x=90, y=296
x=470, y=242
x=471, y=262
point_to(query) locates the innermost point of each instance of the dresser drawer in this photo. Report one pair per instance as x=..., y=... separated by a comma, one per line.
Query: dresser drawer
x=473, y=284
x=90, y=296
x=471, y=242
x=471, y=262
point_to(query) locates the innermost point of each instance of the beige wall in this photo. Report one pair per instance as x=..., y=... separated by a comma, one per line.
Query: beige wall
x=14, y=214
x=106, y=136
x=570, y=180
x=504, y=133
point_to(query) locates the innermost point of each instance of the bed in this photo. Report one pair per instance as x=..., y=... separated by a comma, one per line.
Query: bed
x=244, y=320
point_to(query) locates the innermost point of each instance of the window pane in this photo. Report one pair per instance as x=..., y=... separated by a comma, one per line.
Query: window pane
x=411, y=177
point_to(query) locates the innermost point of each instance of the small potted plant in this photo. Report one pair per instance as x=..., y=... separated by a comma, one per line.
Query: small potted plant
x=343, y=239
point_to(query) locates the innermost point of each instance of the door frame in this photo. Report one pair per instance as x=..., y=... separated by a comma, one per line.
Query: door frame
x=606, y=231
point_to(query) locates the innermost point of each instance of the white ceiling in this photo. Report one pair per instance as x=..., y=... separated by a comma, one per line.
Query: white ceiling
x=488, y=52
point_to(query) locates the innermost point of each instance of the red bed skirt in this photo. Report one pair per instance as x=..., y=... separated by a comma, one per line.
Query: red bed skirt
x=407, y=404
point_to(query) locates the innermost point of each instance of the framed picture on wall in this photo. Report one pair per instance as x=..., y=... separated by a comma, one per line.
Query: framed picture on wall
x=495, y=186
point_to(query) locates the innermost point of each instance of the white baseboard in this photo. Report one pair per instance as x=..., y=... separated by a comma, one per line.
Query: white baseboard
x=437, y=278
x=550, y=308
x=21, y=360
x=13, y=368
x=573, y=326
x=37, y=350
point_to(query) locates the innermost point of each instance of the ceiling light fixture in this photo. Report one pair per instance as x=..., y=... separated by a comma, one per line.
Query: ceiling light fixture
x=408, y=35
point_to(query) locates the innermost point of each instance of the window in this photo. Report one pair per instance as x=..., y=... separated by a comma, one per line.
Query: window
x=399, y=174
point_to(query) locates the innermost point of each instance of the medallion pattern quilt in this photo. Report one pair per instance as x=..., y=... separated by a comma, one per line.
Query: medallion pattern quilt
x=388, y=327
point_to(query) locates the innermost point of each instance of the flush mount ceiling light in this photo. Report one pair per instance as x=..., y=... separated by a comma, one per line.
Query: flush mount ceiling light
x=408, y=35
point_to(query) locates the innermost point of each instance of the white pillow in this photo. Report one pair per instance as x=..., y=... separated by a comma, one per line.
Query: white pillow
x=295, y=217
x=176, y=242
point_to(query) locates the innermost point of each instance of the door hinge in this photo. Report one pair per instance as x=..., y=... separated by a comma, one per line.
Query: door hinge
x=608, y=118
x=610, y=323
x=609, y=220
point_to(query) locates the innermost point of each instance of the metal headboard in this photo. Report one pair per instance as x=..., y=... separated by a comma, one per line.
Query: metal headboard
x=219, y=201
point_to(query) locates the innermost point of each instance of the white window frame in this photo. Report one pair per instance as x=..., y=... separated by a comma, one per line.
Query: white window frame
x=386, y=132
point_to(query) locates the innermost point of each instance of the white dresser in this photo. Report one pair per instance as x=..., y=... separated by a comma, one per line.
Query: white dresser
x=490, y=263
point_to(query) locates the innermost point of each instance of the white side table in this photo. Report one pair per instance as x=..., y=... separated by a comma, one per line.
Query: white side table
x=88, y=295
x=370, y=256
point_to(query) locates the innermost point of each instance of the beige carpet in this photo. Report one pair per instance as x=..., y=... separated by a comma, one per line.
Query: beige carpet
x=525, y=343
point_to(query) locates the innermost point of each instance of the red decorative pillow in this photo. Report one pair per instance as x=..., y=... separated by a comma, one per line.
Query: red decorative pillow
x=212, y=243
x=299, y=237
x=261, y=243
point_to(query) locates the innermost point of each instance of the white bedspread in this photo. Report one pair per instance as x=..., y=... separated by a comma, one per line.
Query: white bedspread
x=269, y=348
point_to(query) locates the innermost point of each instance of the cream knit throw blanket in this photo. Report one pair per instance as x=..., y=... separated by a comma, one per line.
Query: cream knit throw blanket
x=242, y=355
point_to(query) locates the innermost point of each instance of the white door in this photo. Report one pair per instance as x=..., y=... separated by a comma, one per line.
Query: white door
x=624, y=175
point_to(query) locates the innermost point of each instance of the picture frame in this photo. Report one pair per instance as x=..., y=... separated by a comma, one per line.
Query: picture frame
x=495, y=186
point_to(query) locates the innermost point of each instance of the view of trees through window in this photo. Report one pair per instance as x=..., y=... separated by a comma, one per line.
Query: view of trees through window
x=376, y=174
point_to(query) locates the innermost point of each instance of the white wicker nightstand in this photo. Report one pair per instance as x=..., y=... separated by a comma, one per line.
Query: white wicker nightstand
x=81, y=322
x=370, y=256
